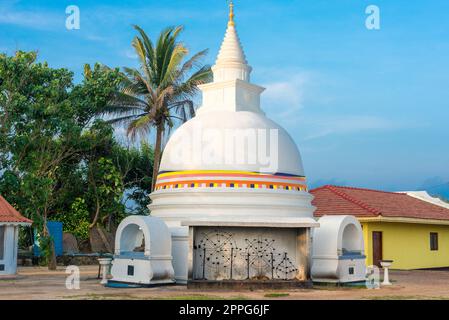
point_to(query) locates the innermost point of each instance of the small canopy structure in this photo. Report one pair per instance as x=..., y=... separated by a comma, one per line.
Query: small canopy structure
x=143, y=232
x=338, y=250
x=142, y=251
x=337, y=236
x=10, y=220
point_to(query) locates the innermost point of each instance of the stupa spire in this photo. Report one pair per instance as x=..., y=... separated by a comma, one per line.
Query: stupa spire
x=231, y=13
x=231, y=89
x=231, y=61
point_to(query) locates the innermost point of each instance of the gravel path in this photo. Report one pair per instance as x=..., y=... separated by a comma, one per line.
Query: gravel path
x=39, y=283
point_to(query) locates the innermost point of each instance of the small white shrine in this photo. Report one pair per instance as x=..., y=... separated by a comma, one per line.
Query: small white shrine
x=232, y=193
x=338, y=250
x=142, y=252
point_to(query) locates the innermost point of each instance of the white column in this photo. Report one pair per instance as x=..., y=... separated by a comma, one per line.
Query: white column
x=3, y=247
x=15, y=231
x=105, y=264
x=386, y=281
x=180, y=252
x=10, y=254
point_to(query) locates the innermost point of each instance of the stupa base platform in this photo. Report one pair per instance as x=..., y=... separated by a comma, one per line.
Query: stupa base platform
x=249, y=284
x=249, y=254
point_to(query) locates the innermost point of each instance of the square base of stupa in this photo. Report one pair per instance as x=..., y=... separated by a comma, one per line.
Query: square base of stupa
x=249, y=284
x=232, y=254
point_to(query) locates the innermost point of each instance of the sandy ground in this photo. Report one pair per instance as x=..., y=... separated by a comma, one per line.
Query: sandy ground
x=39, y=283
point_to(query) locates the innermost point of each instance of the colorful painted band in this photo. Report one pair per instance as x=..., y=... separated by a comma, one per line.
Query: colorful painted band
x=212, y=173
x=229, y=179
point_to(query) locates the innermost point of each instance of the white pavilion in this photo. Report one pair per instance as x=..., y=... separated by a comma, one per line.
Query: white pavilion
x=10, y=220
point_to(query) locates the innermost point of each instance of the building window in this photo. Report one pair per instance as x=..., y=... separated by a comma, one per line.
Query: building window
x=433, y=241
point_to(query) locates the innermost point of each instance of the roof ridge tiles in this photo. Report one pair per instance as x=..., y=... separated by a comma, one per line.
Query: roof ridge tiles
x=366, y=189
x=335, y=189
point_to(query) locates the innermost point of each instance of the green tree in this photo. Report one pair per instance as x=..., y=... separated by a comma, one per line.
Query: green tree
x=37, y=127
x=159, y=94
x=58, y=159
x=47, y=126
x=77, y=221
x=105, y=189
x=135, y=167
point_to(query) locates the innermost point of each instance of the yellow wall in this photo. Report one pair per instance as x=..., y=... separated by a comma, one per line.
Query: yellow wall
x=408, y=244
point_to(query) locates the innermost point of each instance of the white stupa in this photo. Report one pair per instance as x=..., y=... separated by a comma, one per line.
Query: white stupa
x=230, y=163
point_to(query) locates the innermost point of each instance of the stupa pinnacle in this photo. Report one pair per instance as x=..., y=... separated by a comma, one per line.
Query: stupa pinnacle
x=231, y=13
x=231, y=62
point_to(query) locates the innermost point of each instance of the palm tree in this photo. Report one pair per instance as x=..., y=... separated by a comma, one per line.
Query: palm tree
x=159, y=94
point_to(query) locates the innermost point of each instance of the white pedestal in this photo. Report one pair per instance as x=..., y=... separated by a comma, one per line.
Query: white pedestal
x=385, y=265
x=105, y=264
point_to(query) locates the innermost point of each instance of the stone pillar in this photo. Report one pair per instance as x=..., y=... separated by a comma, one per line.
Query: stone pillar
x=105, y=264
x=302, y=254
x=10, y=249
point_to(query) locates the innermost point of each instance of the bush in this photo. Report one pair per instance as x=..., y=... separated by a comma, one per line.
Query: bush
x=76, y=221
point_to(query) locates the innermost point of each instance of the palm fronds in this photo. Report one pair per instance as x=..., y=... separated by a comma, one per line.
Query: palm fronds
x=159, y=94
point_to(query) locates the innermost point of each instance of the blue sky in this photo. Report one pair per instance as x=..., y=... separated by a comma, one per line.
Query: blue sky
x=367, y=108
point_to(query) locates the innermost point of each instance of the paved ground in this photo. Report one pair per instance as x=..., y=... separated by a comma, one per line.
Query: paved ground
x=39, y=283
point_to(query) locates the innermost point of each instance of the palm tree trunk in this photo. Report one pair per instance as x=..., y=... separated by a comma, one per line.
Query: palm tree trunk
x=157, y=154
x=52, y=257
x=97, y=213
x=52, y=264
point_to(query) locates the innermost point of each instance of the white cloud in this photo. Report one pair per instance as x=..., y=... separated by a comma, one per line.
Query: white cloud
x=96, y=38
x=32, y=19
x=325, y=125
x=130, y=54
x=288, y=91
x=285, y=97
x=301, y=101
x=106, y=14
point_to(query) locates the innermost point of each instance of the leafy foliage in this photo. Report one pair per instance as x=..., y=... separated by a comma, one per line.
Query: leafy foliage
x=77, y=220
x=135, y=166
x=58, y=159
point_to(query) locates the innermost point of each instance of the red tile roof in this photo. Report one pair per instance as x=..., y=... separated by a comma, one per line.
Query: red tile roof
x=372, y=203
x=9, y=214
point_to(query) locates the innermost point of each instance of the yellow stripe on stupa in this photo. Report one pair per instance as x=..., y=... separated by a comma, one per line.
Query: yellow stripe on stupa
x=174, y=173
x=226, y=172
